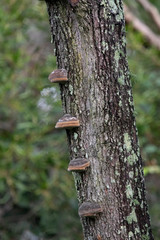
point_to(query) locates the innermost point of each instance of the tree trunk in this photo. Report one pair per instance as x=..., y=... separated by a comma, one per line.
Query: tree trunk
x=90, y=44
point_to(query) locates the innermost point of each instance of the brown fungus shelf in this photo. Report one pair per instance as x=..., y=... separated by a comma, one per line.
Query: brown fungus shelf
x=78, y=164
x=67, y=121
x=89, y=209
x=58, y=76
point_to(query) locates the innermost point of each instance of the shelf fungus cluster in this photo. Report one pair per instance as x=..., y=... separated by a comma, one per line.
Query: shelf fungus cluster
x=87, y=209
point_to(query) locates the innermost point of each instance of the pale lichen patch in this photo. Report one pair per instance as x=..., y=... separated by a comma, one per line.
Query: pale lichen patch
x=104, y=46
x=75, y=150
x=71, y=89
x=127, y=142
x=121, y=80
x=103, y=3
x=119, y=16
x=129, y=191
x=122, y=230
x=136, y=172
x=142, y=204
x=106, y=118
x=120, y=103
x=130, y=234
x=116, y=57
x=132, y=159
x=137, y=230
x=139, y=194
x=131, y=174
x=117, y=173
x=113, y=180
x=121, y=150
x=132, y=217
x=75, y=136
x=145, y=237
x=113, y=6
x=135, y=201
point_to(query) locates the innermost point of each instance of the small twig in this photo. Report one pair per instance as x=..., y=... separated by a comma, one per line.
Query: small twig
x=152, y=10
x=141, y=27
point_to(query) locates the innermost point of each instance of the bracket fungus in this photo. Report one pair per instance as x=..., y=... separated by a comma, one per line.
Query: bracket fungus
x=89, y=209
x=73, y=2
x=78, y=164
x=67, y=121
x=58, y=76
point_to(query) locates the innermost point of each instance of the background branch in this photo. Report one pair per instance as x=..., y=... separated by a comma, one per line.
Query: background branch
x=141, y=27
x=152, y=10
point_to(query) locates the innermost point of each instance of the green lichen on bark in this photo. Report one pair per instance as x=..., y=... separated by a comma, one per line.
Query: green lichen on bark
x=129, y=191
x=131, y=174
x=132, y=159
x=131, y=235
x=145, y=237
x=132, y=217
x=127, y=142
x=75, y=136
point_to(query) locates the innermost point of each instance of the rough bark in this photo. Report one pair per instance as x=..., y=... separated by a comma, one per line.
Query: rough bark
x=90, y=44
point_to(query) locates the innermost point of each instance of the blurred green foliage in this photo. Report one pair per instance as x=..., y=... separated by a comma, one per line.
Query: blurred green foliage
x=144, y=63
x=36, y=191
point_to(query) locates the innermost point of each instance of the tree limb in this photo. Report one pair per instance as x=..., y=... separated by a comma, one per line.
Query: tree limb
x=152, y=10
x=143, y=28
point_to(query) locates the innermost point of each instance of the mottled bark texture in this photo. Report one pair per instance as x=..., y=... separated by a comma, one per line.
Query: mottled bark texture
x=90, y=44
